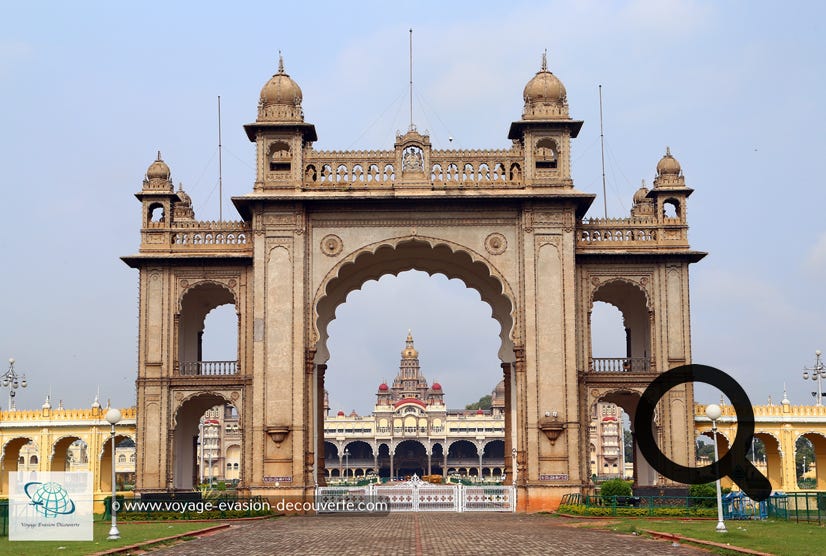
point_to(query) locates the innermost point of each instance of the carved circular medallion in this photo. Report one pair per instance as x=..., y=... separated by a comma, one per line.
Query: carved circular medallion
x=234, y=396
x=331, y=245
x=232, y=283
x=179, y=396
x=595, y=280
x=184, y=283
x=496, y=243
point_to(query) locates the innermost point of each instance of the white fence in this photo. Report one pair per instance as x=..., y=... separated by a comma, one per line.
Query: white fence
x=416, y=495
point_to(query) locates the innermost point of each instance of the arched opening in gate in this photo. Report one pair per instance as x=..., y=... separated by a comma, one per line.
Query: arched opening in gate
x=207, y=331
x=493, y=459
x=359, y=460
x=409, y=458
x=123, y=443
x=606, y=433
x=200, y=438
x=433, y=257
x=774, y=459
x=704, y=452
x=13, y=451
x=810, y=461
x=463, y=458
x=620, y=322
x=70, y=453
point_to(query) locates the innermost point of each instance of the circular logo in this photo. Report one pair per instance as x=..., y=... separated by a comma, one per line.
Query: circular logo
x=49, y=499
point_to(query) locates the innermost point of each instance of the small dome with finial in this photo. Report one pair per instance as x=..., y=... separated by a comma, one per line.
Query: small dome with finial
x=668, y=165
x=545, y=95
x=158, y=170
x=641, y=195
x=280, y=97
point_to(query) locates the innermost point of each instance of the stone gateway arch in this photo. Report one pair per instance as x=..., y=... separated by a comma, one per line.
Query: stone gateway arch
x=318, y=224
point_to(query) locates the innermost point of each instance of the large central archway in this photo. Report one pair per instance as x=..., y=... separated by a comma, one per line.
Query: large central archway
x=393, y=256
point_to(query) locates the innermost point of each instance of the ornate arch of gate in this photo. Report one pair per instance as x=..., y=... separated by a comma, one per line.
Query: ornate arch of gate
x=318, y=224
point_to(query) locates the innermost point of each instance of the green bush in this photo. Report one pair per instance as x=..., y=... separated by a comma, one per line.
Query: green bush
x=614, y=487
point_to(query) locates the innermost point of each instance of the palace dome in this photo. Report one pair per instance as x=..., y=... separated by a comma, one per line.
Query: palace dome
x=641, y=195
x=437, y=386
x=281, y=89
x=668, y=165
x=158, y=169
x=340, y=413
x=544, y=87
x=383, y=387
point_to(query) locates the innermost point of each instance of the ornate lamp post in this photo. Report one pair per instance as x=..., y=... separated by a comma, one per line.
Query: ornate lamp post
x=113, y=416
x=818, y=374
x=12, y=381
x=713, y=412
x=347, y=464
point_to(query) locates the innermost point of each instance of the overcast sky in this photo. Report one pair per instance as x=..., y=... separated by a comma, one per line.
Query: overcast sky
x=91, y=90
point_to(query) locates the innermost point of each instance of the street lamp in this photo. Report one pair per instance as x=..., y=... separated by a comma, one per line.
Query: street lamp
x=113, y=417
x=11, y=381
x=713, y=412
x=818, y=374
x=346, y=464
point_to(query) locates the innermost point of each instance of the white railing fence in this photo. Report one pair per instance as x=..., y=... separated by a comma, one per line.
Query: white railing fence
x=416, y=495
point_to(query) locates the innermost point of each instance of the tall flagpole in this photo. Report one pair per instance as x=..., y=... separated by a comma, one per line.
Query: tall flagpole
x=411, y=78
x=602, y=151
x=220, y=168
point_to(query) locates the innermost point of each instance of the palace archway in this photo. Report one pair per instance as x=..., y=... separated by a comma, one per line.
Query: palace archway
x=507, y=222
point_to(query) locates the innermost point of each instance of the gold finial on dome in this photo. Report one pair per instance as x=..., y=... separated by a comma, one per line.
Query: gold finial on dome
x=544, y=61
x=280, y=62
x=409, y=352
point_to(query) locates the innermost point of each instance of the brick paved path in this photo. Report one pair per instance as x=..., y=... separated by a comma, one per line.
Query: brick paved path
x=419, y=534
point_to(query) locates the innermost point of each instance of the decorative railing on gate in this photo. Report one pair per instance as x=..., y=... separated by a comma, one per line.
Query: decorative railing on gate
x=416, y=495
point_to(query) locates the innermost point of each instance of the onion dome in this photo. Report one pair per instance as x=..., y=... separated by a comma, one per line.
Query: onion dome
x=280, y=98
x=641, y=195
x=340, y=413
x=480, y=412
x=668, y=165
x=545, y=95
x=158, y=170
x=383, y=387
x=437, y=386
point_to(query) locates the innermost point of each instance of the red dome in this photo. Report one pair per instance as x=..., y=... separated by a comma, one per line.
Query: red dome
x=437, y=386
x=340, y=413
x=383, y=387
x=480, y=412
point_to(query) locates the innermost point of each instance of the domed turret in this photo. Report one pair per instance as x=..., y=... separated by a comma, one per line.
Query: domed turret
x=158, y=170
x=157, y=177
x=183, y=207
x=668, y=165
x=545, y=96
x=641, y=195
x=280, y=98
x=383, y=387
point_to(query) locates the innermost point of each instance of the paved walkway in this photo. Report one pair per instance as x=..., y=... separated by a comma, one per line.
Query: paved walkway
x=420, y=534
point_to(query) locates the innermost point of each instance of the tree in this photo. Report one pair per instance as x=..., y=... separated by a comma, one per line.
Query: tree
x=628, y=439
x=484, y=402
x=614, y=487
x=804, y=456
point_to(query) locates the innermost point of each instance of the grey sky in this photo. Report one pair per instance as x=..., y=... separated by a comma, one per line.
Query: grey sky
x=91, y=91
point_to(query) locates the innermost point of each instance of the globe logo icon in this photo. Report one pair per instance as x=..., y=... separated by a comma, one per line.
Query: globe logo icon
x=49, y=499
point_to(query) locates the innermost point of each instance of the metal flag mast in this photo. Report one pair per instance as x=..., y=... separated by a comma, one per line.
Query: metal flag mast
x=602, y=153
x=411, y=78
x=220, y=168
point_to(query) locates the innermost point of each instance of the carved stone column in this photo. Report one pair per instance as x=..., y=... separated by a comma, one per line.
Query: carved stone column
x=508, y=469
x=319, y=393
x=309, y=368
x=521, y=417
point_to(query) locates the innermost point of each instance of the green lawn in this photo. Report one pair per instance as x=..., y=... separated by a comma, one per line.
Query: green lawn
x=130, y=533
x=774, y=536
